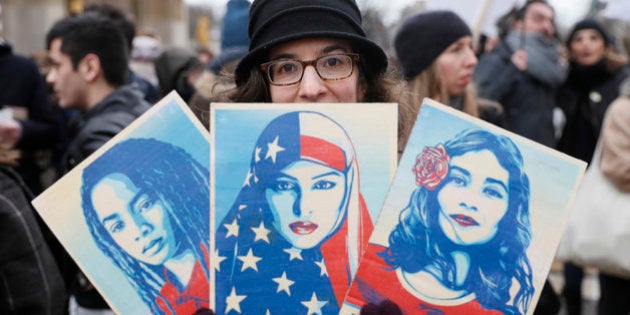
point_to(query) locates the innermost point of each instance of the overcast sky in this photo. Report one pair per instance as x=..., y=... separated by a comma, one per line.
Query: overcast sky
x=568, y=11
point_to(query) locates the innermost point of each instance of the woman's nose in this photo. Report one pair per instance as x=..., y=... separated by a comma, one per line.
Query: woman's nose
x=468, y=205
x=312, y=85
x=470, y=58
x=142, y=225
x=303, y=205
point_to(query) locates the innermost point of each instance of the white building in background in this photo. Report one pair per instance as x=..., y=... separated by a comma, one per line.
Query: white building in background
x=25, y=23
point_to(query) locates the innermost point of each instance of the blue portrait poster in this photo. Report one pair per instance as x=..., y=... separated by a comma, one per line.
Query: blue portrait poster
x=135, y=214
x=297, y=188
x=471, y=222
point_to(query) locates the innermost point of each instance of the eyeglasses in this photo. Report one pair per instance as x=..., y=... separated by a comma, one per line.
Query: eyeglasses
x=331, y=67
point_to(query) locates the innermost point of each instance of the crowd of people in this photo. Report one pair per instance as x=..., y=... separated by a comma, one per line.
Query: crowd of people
x=103, y=72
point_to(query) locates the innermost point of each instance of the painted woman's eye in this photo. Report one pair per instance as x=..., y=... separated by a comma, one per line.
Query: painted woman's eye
x=494, y=193
x=283, y=186
x=145, y=203
x=324, y=185
x=457, y=180
x=116, y=227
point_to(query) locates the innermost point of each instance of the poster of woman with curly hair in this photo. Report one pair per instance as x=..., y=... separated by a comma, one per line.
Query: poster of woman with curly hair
x=135, y=215
x=471, y=222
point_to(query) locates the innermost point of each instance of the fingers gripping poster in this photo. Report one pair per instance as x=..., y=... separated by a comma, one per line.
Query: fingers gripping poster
x=471, y=222
x=134, y=215
x=298, y=188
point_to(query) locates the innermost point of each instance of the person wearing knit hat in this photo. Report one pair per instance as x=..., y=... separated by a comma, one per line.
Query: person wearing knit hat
x=288, y=34
x=436, y=58
x=596, y=72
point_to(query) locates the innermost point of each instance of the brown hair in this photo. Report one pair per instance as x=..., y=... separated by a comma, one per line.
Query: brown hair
x=428, y=84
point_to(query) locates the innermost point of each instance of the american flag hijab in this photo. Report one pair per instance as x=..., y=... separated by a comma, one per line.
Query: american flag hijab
x=258, y=271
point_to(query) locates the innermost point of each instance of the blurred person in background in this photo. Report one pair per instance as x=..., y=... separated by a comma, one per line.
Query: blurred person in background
x=30, y=125
x=178, y=69
x=435, y=55
x=524, y=71
x=218, y=76
x=127, y=26
x=596, y=72
x=615, y=165
x=146, y=47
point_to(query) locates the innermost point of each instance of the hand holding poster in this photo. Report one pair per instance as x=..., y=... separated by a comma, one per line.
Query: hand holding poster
x=135, y=215
x=471, y=222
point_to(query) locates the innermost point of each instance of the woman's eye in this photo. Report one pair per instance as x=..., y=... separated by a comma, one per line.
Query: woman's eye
x=324, y=185
x=494, y=193
x=332, y=61
x=116, y=227
x=457, y=181
x=283, y=186
x=287, y=67
x=145, y=203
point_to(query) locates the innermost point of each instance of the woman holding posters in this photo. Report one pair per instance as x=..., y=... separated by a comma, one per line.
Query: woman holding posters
x=461, y=242
x=306, y=51
x=299, y=224
x=147, y=217
x=301, y=51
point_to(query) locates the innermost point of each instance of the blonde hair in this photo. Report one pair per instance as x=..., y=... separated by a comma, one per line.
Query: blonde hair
x=428, y=84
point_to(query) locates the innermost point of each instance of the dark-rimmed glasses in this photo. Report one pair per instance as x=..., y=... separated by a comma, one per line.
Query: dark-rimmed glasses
x=329, y=67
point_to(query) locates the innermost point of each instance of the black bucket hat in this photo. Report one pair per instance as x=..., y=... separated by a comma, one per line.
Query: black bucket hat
x=272, y=22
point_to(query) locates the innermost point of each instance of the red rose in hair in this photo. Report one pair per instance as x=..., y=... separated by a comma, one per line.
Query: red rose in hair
x=431, y=167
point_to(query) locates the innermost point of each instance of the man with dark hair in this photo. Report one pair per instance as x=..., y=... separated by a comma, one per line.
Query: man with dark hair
x=127, y=26
x=89, y=59
x=89, y=68
x=524, y=72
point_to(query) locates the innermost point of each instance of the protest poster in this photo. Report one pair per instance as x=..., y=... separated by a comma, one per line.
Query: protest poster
x=296, y=189
x=471, y=222
x=134, y=215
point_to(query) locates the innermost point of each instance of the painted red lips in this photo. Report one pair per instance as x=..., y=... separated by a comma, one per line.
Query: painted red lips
x=464, y=220
x=303, y=227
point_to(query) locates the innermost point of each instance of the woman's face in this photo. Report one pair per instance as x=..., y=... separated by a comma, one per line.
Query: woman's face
x=306, y=201
x=135, y=219
x=455, y=66
x=312, y=88
x=587, y=47
x=474, y=198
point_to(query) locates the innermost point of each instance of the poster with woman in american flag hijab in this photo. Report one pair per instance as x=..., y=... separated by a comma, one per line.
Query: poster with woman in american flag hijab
x=292, y=237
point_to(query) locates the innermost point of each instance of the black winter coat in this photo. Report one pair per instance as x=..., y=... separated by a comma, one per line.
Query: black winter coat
x=90, y=130
x=527, y=102
x=584, y=98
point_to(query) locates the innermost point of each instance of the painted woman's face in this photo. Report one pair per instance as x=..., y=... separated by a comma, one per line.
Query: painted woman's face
x=312, y=88
x=306, y=202
x=474, y=198
x=587, y=47
x=456, y=65
x=135, y=219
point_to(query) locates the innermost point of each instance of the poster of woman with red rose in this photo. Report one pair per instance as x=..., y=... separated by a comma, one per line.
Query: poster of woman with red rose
x=470, y=225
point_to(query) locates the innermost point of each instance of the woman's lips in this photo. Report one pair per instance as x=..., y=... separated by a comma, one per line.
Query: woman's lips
x=303, y=227
x=464, y=220
x=466, y=79
x=153, y=247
